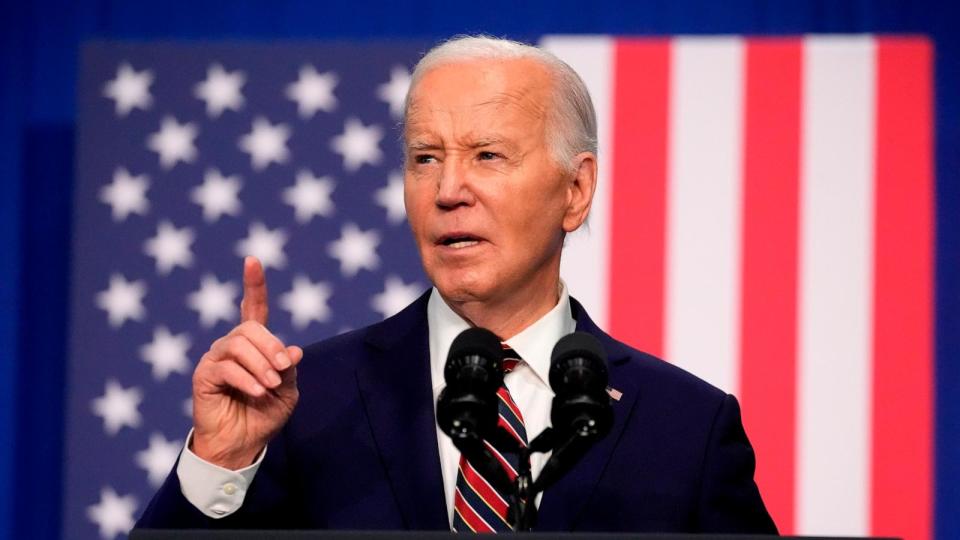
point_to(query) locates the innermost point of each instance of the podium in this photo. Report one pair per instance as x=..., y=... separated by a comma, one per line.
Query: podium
x=198, y=534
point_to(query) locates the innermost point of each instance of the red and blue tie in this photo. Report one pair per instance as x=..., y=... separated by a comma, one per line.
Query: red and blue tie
x=477, y=505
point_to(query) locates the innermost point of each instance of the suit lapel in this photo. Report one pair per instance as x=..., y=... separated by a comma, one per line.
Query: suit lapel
x=564, y=502
x=395, y=386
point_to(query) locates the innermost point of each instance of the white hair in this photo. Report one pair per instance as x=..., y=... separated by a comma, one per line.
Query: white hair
x=571, y=120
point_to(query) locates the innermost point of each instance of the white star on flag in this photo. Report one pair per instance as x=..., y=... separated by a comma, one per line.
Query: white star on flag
x=355, y=249
x=306, y=301
x=130, y=89
x=174, y=142
x=214, y=301
x=396, y=295
x=218, y=195
x=221, y=90
x=113, y=514
x=266, y=143
x=390, y=198
x=118, y=407
x=310, y=196
x=126, y=194
x=122, y=300
x=358, y=144
x=265, y=245
x=167, y=353
x=170, y=247
x=313, y=91
x=158, y=458
x=394, y=92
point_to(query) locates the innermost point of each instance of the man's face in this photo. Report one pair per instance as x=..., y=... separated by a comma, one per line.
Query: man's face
x=487, y=203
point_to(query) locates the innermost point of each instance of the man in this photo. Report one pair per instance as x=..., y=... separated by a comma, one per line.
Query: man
x=500, y=164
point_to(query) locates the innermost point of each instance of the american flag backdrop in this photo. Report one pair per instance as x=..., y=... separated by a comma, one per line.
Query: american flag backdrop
x=763, y=219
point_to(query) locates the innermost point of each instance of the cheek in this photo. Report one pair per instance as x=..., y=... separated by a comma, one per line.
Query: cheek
x=414, y=199
x=539, y=210
x=537, y=227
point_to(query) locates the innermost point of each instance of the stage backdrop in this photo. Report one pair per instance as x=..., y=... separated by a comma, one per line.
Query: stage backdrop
x=764, y=218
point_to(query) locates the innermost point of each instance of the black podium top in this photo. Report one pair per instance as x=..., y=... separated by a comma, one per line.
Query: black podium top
x=196, y=534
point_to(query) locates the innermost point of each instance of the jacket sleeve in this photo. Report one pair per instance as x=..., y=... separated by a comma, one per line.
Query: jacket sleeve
x=729, y=499
x=271, y=501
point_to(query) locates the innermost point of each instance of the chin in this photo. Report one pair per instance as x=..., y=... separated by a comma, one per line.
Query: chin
x=461, y=286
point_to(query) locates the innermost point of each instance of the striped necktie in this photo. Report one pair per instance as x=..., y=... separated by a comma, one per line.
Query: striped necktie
x=478, y=506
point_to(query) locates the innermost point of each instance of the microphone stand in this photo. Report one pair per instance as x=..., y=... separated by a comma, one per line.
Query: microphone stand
x=523, y=507
x=566, y=453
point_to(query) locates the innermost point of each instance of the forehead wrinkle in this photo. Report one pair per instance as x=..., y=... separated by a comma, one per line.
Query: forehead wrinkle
x=529, y=98
x=423, y=131
x=522, y=98
x=475, y=139
x=419, y=126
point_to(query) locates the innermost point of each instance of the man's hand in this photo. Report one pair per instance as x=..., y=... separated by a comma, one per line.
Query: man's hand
x=245, y=386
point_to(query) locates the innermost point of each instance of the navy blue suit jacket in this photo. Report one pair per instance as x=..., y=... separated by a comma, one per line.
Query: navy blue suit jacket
x=360, y=450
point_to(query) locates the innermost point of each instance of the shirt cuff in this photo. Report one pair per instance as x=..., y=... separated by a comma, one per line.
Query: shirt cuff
x=213, y=490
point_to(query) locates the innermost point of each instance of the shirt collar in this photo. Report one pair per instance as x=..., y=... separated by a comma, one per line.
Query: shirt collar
x=534, y=343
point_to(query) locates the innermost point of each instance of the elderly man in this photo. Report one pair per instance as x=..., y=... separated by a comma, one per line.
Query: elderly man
x=500, y=145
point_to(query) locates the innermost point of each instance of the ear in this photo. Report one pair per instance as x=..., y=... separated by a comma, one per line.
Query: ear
x=580, y=189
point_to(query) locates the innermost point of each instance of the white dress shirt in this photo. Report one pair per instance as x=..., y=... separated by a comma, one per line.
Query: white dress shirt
x=219, y=492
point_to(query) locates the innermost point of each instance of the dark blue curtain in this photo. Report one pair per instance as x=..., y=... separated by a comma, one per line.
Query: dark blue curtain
x=39, y=43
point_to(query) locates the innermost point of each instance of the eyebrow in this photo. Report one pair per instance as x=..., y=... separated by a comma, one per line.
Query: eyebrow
x=421, y=145
x=487, y=141
x=479, y=143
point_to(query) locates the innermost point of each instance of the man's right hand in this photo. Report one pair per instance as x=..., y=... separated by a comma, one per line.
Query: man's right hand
x=245, y=386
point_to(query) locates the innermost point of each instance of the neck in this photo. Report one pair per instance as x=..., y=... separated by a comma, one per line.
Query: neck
x=509, y=316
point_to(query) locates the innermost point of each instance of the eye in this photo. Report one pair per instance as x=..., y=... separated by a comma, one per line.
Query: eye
x=422, y=159
x=487, y=156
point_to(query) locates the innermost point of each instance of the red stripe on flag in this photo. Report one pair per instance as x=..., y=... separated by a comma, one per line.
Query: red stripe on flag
x=769, y=272
x=903, y=330
x=638, y=202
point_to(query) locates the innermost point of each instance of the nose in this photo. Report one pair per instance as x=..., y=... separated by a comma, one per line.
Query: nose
x=454, y=188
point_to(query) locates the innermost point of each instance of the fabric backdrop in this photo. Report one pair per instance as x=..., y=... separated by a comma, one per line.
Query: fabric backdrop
x=39, y=61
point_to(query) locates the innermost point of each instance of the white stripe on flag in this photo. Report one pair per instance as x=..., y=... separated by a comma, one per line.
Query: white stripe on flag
x=704, y=209
x=836, y=280
x=586, y=257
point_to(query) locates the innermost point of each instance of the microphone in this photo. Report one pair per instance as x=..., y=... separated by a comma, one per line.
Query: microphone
x=578, y=376
x=467, y=408
x=581, y=413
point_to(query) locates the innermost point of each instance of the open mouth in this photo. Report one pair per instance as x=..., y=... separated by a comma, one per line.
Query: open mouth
x=459, y=241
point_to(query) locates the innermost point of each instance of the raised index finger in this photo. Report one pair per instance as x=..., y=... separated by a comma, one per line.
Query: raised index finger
x=253, y=307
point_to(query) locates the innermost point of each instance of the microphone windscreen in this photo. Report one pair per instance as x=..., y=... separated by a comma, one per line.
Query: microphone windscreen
x=474, y=346
x=478, y=341
x=579, y=353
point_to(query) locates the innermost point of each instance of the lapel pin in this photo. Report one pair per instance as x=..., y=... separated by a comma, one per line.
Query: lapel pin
x=614, y=393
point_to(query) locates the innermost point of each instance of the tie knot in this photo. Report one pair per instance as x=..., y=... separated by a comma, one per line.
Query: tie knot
x=510, y=358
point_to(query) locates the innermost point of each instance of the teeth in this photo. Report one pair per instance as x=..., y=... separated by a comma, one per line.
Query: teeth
x=464, y=243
